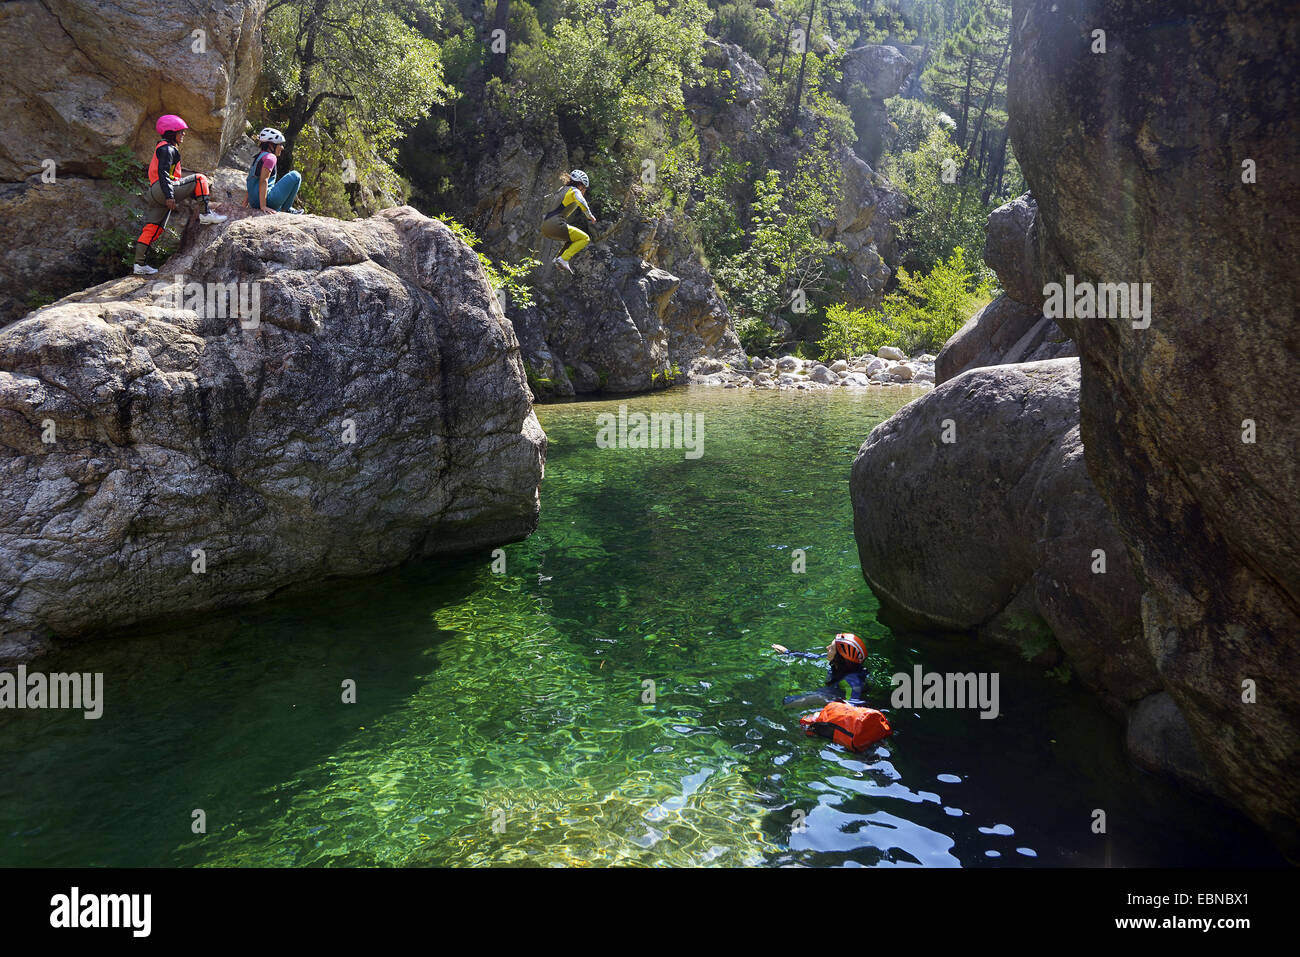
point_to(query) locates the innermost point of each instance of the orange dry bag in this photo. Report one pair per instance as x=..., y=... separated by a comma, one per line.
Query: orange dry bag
x=845, y=724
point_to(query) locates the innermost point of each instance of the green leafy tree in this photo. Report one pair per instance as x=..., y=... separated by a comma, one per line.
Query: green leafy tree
x=345, y=79
x=939, y=222
x=920, y=316
x=605, y=66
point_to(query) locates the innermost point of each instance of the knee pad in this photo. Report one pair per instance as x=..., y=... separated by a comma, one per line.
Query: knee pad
x=200, y=185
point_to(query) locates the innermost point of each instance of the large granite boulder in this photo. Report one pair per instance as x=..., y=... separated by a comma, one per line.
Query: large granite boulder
x=83, y=78
x=1011, y=250
x=369, y=406
x=973, y=511
x=1169, y=160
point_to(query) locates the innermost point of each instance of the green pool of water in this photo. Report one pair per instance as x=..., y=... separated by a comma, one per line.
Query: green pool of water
x=504, y=718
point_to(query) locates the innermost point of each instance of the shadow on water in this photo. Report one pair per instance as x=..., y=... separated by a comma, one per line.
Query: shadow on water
x=255, y=692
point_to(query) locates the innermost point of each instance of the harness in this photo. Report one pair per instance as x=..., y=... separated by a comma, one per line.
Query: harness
x=172, y=174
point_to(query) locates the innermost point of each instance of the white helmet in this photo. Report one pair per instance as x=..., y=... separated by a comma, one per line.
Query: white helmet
x=578, y=176
x=270, y=135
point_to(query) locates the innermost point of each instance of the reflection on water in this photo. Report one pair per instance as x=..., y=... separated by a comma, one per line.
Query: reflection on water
x=610, y=699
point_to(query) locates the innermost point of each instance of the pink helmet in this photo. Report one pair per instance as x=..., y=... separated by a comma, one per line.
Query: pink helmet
x=170, y=122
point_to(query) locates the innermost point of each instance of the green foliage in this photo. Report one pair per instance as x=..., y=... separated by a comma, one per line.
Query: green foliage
x=946, y=213
x=760, y=268
x=1035, y=642
x=750, y=28
x=503, y=275
x=919, y=317
x=1061, y=673
x=668, y=376
x=912, y=122
x=852, y=332
x=539, y=383
x=756, y=336
x=669, y=166
x=604, y=67
x=345, y=79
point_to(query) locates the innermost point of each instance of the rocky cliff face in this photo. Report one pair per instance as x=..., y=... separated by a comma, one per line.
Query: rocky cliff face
x=81, y=78
x=869, y=204
x=872, y=74
x=1169, y=159
x=1012, y=328
x=639, y=304
x=360, y=403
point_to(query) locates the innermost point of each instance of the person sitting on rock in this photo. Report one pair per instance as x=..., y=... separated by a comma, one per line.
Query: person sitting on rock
x=554, y=225
x=265, y=191
x=166, y=186
x=847, y=655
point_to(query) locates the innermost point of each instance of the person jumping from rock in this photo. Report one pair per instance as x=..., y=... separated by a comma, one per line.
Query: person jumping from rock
x=265, y=191
x=167, y=185
x=847, y=654
x=554, y=225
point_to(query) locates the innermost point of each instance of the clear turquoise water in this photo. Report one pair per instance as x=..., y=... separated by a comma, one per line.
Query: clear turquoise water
x=500, y=720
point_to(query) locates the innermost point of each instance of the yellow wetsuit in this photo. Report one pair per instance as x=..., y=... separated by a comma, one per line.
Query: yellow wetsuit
x=555, y=227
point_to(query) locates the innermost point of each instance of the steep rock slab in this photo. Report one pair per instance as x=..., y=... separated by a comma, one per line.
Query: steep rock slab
x=871, y=75
x=1135, y=157
x=82, y=78
x=996, y=531
x=1012, y=328
x=376, y=412
x=1003, y=332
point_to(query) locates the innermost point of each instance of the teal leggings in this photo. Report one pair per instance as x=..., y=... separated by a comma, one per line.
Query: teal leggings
x=282, y=194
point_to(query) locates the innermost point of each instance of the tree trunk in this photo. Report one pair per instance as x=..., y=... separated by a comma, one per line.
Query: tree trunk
x=998, y=166
x=965, y=103
x=789, y=28
x=497, y=65
x=301, y=109
x=979, y=124
x=798, y=89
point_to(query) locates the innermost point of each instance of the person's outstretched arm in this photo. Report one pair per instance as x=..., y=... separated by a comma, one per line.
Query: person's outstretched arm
x=813, y=655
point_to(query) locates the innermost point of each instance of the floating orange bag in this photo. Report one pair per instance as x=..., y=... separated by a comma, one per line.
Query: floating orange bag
x=855, y=728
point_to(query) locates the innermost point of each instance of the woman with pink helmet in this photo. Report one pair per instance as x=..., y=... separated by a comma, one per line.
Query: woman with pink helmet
x=167, y=184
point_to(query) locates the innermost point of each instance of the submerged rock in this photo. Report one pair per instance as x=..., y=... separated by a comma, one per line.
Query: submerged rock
x=160, y=458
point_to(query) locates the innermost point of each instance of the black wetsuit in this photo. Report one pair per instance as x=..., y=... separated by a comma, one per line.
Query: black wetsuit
x=840, y=670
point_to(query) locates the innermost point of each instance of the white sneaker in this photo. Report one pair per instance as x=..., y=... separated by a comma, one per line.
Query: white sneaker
x=563, y=265
x=211, y=219
x=140, y=269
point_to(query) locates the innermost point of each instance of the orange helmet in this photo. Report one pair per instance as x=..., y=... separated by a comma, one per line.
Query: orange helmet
x=851, y=647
